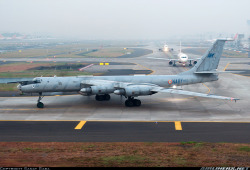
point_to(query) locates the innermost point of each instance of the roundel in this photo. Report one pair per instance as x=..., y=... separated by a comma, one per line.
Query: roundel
x=169, y=81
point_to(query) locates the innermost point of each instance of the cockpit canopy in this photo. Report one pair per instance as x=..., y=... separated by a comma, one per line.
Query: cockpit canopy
x=37, y=80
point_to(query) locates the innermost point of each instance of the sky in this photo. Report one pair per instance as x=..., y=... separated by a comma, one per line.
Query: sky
x=124, y=19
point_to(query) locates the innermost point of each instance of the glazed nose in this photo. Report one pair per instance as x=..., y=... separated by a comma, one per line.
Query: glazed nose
x=19, y=87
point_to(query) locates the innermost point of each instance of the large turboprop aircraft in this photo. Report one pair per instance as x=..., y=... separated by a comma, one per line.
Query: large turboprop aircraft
x=131, y=86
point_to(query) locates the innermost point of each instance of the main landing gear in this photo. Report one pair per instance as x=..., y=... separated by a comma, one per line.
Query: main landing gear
x=39, y=103
x=102, y=97
x=130, y=102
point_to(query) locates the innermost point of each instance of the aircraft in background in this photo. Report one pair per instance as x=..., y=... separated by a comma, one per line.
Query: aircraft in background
x=182, y=59
x=166, y=48
x=129, y=86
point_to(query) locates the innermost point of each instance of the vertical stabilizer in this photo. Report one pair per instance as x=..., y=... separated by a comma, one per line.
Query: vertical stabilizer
x=180, y=46
x=210, y=60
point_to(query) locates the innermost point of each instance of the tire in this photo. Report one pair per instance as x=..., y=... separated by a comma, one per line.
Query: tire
x=107, y=97
x=40, y=105
x=99, y=97
x=129, y=103
x=136, y=102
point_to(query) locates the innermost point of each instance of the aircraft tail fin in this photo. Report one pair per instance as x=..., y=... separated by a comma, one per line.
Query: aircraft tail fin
x=180, y=46
x=210, y=60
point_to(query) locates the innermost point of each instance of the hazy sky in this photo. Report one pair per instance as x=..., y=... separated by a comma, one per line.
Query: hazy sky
x=123, y=19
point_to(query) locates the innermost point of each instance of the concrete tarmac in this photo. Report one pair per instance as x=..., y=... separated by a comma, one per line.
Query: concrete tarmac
x=155, y=108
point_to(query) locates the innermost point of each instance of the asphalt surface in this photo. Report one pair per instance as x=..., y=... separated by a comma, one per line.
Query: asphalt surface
x=92, y=131
x=201, y=119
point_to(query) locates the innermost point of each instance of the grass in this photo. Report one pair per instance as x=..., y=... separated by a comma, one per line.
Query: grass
x=8, y=87
x=44, y=73
x=109, y=52
x=123, y=159
x=245, y=148
x=123, y=154
x=226, y=53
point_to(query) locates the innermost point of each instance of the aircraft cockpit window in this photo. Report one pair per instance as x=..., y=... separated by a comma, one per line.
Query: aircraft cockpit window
x=37, y=80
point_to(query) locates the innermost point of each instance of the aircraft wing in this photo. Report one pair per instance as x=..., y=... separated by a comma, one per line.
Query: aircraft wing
x=191, y=59
x=163, y=59
x=189, y=93
x=155, y=89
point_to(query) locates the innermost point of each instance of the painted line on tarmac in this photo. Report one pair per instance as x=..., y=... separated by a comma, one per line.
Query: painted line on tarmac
x=145, y=68
x=132, y=121
x=178, y=125
x=80, y=125
x=226, y=66
x=8, y=109
x=207, y=88
x=234, y=73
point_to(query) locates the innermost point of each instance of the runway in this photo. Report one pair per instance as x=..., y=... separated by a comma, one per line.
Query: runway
x=201, y=119
x=101, y=131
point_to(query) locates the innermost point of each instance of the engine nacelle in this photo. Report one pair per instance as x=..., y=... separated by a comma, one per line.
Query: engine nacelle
x=92, y=90
x=195, y=62
x=170, y=62
x=135, y=90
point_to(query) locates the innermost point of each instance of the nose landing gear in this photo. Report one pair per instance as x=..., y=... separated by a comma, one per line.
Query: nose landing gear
x=39, y=103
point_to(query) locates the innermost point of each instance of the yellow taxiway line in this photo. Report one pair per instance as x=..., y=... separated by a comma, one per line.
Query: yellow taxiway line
x=145, y=68
x=178, y=125
x=80, y=125
x=226, y=66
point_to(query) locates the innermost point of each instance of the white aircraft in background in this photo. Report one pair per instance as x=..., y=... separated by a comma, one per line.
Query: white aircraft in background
x=165, y=48
x=182, y=59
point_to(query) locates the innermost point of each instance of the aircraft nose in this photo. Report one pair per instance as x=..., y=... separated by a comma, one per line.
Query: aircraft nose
x=19, y=87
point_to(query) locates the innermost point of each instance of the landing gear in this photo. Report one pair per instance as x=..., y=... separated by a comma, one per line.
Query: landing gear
x=102, y=97
x=39, y=103
x=174, y=64
x=190, y=64
x=130, y=102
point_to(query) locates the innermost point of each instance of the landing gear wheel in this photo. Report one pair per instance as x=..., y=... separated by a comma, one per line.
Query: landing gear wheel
x=102, y=97
x=190, y=64
x=136, y=102
x=99, y=97
x=129, y=103
x=40, y=105
x=107, y=97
